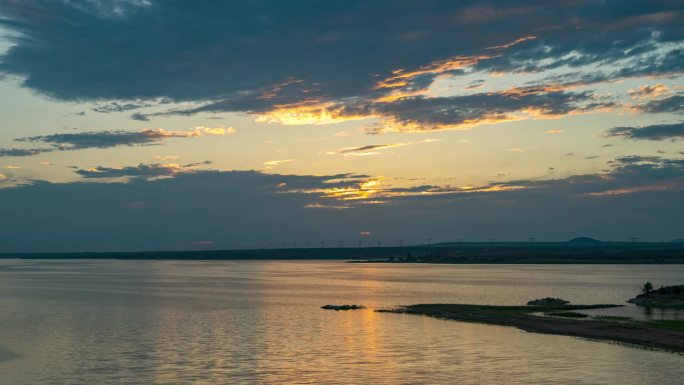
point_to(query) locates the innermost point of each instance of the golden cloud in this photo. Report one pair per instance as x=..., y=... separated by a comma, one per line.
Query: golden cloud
x=271, y=164
x=218, y=130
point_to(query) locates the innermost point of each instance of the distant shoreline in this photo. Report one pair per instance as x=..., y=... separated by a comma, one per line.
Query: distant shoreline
x=451, y=253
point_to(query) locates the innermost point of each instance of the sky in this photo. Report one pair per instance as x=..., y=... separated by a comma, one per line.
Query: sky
x=177, y=125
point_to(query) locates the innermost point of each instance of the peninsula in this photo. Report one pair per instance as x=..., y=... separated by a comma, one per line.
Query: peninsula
x=560, y=320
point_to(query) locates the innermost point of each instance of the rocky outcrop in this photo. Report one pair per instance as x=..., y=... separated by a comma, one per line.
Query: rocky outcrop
x=548, y=301
x=665, y=297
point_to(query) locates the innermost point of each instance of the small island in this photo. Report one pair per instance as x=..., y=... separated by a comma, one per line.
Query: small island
x=548, y=301
x=665, y=297
x=560, y=319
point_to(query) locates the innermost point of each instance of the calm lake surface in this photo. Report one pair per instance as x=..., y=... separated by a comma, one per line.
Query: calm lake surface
x=235, y=322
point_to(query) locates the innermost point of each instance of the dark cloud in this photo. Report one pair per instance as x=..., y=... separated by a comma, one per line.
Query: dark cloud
x=94, y=139
x=636, y=171
x=251, y=56
x=671, y=62
x=475, y=84
x=351, y=150
x=232, y=208
x=141, y=171
x=107, y=139
x=673, y=104
x=636, y=30
x=418, y=113
x=119, y=107
x=627, y=175
x=653, y=132
x=144, y=214
x=668, y=63
x=622, y=161
x=437, y=112
x=362, y=148
x=139, y=116
x=11, y=152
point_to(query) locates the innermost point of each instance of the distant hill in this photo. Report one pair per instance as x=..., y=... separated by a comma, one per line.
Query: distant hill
x=585, y=241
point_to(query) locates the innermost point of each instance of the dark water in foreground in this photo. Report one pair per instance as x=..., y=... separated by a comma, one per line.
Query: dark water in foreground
x=174, y=322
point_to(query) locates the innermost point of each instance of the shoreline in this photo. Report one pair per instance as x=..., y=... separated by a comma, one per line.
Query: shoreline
x=526, y=262
x=447, y=253
x=663, y=336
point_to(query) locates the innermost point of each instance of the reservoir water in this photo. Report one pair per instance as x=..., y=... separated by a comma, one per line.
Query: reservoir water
x=242, y=322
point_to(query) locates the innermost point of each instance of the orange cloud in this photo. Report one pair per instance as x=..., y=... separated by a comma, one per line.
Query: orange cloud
x=389, y=124
x=401, y=77
x=649, y=92
x=514, y=42
x=308, y=112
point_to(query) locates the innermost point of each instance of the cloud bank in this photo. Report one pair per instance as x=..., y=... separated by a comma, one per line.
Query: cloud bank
x=652, y=132
x=233, y=208
x=354, y=60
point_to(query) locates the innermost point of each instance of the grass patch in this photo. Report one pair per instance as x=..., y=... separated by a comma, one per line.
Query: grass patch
x=493, y=314
x=563, y=320
x=612, y=318
x=677, y=325
x=567, y=314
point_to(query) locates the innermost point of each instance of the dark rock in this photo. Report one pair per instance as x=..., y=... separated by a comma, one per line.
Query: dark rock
x=341, y=307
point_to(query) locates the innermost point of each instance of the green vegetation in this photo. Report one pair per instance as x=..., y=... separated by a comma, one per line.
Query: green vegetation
x=668, y=335
x=612, y=318
x=677, y=325
x=498, y=315
x=647, y=288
